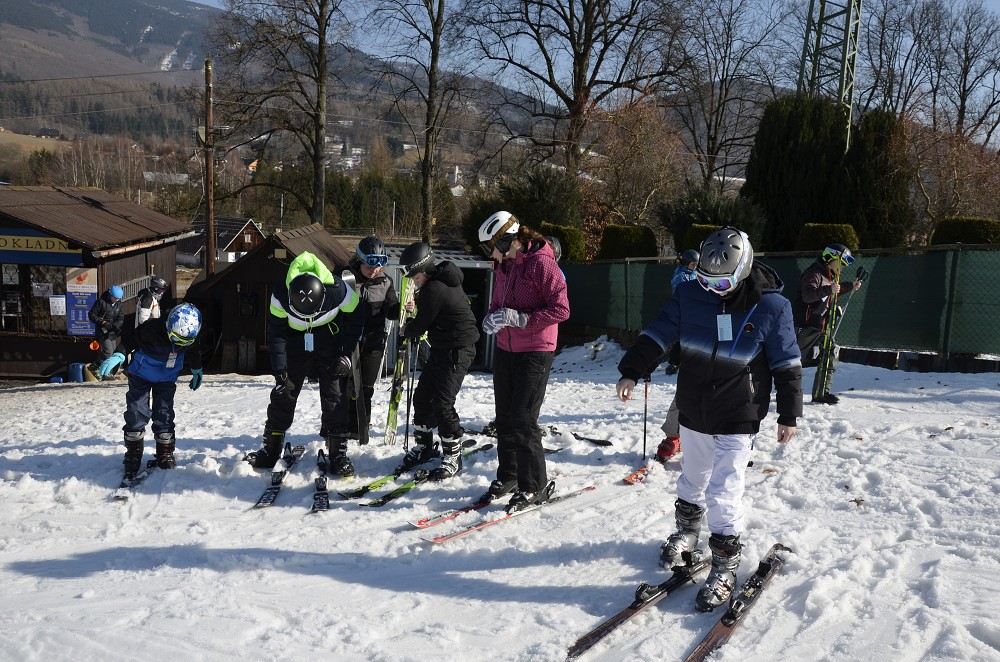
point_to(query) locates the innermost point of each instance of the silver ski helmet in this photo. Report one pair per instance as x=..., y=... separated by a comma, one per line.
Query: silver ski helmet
x=556, y=247
x=416, y=258
x=725, y=261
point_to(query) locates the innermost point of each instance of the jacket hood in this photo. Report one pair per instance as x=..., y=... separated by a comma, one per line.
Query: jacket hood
x=448, y=273
x=307, y=263
x=762, y=280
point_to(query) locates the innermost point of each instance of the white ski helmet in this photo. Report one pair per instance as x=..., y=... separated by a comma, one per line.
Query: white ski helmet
x=183, y=324
x=502, y=222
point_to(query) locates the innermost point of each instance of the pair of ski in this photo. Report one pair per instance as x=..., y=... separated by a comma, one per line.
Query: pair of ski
x=126, y=489
x=449, y=515
x=289, y=457
x=421, y=476
x=647, y=596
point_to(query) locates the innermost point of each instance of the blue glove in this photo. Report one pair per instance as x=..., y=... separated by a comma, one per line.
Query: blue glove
x=502, y=317
x=196, y=376
x=110, y=364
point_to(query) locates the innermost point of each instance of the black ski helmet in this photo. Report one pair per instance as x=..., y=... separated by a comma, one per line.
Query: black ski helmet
x=305, y=294
x=157, y=283
x=834, y=251
x=689, y=256
x=371, y=251
x=416, y=258
x=556, y=247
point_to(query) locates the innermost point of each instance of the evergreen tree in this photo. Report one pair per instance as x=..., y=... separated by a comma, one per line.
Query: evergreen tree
x=796, y=168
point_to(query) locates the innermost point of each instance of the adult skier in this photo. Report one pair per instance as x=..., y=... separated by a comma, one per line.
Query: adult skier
x=379, y=303
x=162, y=346
x=812, y=308
x=736, y=340
x=314, y=319
x=147, y=302
x=444, y=314
x=108, y=316
x=687, y=262
x=528, y=303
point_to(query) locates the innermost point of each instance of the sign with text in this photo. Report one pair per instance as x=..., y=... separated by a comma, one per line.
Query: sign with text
x=81, y=295
x=19, y=246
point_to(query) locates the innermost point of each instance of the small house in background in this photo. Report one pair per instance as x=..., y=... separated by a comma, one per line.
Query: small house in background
x=234, y=238
x=60, y=249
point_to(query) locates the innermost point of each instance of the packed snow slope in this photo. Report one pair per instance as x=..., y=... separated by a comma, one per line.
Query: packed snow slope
x=890, y=501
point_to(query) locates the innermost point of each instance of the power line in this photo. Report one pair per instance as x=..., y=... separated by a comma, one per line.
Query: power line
x=93, y=77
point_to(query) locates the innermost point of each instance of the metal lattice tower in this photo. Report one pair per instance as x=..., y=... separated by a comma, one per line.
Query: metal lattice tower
x=830, y=52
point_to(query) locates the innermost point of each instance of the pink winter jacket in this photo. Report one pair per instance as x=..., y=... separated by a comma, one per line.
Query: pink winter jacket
x=532, y=283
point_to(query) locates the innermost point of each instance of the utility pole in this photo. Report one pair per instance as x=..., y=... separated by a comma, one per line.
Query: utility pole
x=209, y=175
x=830, y=53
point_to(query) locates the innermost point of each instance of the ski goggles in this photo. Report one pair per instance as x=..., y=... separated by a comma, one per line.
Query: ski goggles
x=718, y=284
x=375, y=260
x=830, y=254
x=180, y=341
x=501, y=243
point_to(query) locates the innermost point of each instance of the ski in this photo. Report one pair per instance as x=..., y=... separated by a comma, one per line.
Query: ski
x=402, y=367
x=321, y=497
x=645, y=596
x=636, y=476
x=507, y=516
x=447, y=516
x=740, y=604
x=580, y=437
x=127, y=487
x=289, y=457
x=491, y=432
x=419, y=477
x=359, y=492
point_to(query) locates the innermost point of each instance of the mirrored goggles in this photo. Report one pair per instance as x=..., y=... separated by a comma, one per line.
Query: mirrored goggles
x=376, y=260
x=829, y=254
x=159, y=291
x=501, y=244
x=718, y=284
x=178, y=340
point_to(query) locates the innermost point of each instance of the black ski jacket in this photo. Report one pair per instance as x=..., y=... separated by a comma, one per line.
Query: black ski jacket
x=105, y=311
x=443, y=310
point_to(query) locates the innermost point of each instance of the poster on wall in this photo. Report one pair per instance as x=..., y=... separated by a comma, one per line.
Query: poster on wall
x=57, y=306
x=81, y=295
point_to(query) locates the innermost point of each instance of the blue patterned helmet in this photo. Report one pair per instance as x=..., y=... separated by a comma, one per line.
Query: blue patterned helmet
x=183, y=324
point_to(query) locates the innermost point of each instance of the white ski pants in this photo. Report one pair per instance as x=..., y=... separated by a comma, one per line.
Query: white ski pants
x=713, y=470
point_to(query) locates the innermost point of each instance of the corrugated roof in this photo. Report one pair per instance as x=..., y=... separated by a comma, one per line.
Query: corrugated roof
x=315, y=239
x=227, y=229
x=90, y=217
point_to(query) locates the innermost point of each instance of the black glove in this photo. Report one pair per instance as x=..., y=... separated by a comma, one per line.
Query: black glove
x=283, y=386
x=341, y=367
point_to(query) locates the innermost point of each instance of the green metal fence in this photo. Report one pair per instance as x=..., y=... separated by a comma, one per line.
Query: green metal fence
x=940, y=300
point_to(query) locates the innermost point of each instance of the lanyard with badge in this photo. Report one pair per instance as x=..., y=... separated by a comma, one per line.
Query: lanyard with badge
x=307, y=339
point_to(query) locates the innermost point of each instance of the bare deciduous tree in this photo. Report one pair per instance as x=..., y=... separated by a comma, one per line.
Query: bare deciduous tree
x=273, y=76
x=559, y=61
x=415, y=37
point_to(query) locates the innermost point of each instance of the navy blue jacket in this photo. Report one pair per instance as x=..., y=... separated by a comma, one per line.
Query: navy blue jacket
x=724, y=387
x=152, y=349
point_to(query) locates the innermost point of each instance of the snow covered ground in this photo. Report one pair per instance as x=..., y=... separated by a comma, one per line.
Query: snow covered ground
x=890, y=501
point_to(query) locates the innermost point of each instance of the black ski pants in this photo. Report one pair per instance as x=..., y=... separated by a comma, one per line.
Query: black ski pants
x=519, y=381
x=810, y=341
x=436, y=391
x=332, y=393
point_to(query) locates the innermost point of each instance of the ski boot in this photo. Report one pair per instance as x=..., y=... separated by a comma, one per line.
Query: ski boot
x=497, y=489
x=685, y=539
x=721, y=580
x=522, y=500
x=667, y=449
x=827, y=399
x=165, y=450
x=424, y=449
x=336, y=449
x=270, y=452
x=451, y=459
x=133, y=453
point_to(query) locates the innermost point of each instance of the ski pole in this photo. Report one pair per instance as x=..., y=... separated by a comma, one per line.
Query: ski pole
x=645, y=415
x=410, y=369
